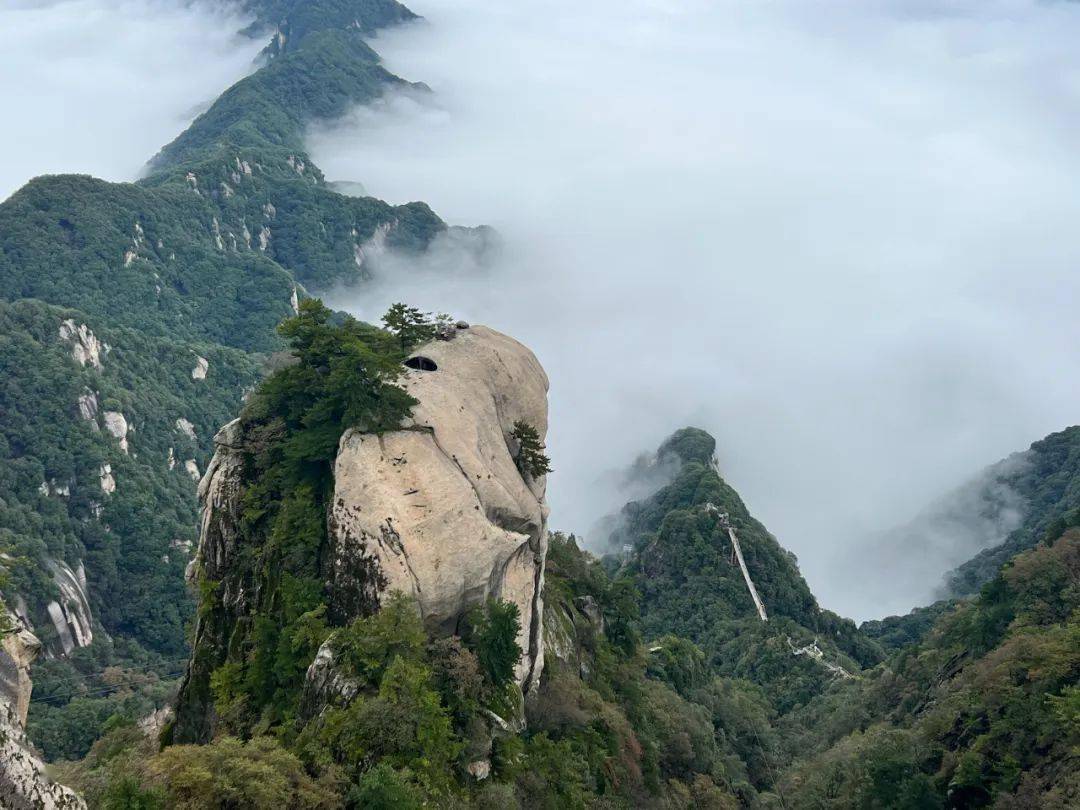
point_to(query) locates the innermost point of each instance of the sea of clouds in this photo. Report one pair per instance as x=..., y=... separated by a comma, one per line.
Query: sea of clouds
x=98, y=86
x=842, y=236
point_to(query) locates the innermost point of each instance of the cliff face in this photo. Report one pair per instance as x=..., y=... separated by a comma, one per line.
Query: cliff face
x=437, y=509
x=23, y=782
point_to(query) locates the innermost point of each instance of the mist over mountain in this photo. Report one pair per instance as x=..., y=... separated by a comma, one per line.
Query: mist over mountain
x=839, y=237
x=256, y=551
x=95, y=86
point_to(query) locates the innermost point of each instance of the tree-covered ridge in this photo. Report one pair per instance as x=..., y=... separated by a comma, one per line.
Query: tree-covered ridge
x=332, y=70
x=211, y=245
x=1047, y=480
x=295, y=19
x=152, y=260
x=682, y=563
x=985, y=711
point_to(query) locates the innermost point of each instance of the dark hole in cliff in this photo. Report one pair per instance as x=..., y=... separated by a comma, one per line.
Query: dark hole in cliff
x=421, y=363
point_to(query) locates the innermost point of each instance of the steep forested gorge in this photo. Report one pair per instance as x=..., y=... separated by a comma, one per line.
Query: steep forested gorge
x=138, y=318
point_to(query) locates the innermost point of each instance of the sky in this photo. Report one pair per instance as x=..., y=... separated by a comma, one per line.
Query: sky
x=840, y=236
x=98, y=86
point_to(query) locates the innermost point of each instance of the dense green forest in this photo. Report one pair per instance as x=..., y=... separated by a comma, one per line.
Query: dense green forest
x=195, y=264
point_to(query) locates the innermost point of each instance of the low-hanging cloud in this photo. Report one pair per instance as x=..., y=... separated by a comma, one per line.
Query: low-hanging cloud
x=98, y=86
x=841, y=236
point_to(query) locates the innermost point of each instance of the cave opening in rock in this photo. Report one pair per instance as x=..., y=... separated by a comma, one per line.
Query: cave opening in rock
x=421, y=363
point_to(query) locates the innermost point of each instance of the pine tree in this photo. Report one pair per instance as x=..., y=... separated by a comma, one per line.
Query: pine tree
x=409, y=325
x=531, y=458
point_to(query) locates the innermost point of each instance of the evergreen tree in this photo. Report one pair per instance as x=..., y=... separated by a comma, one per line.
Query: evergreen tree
x=409, y=325
x=530, y=458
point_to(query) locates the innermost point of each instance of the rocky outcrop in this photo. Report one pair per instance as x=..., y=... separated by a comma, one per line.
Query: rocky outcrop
x=86, y=350
x=24, y=785
x=571, y=630
x=221, y=493
x=88, y=407
x=70, y=614
x=185, y=427
x=108, y=481
x=18, y=649
x=117, y=426
x=439, y=508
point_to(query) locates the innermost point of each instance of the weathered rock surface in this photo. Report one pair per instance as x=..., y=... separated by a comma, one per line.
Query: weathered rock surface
x=24, y=784
x=86, y=349
x=439, y=507
x=108, y=481
x=88, y=407
x=221, y=493
x=117, y=426
x=185, y=427
x=70, y=614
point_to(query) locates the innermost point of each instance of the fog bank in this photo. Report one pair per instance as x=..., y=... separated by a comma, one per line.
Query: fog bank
x=840, y=236
x=98, y=86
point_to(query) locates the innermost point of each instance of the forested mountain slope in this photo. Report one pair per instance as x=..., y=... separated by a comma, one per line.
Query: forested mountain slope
x=1046, y=480
x=684, y=567
x=984, y=711
x=135, y=317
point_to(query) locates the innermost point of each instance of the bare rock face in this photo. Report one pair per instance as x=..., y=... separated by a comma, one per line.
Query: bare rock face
x=86, y=349
x=436, y=509
x=24, y=784
x=18, y=649
x=439, y=508
x=116, y=425
x=70, y=615
x=108, y=481
x=185, y=427
x=88, y=407
x=221, y=492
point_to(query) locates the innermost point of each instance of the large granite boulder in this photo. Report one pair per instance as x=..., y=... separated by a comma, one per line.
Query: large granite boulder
x=439, y=509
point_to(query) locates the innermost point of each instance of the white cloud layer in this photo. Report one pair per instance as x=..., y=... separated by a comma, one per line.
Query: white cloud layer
x=98, y=86
x=842, y=236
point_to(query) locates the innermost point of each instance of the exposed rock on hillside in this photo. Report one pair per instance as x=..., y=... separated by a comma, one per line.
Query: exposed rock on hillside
x=117, y=426
x=70, y=614
x=85, y=348
x=23, y=782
